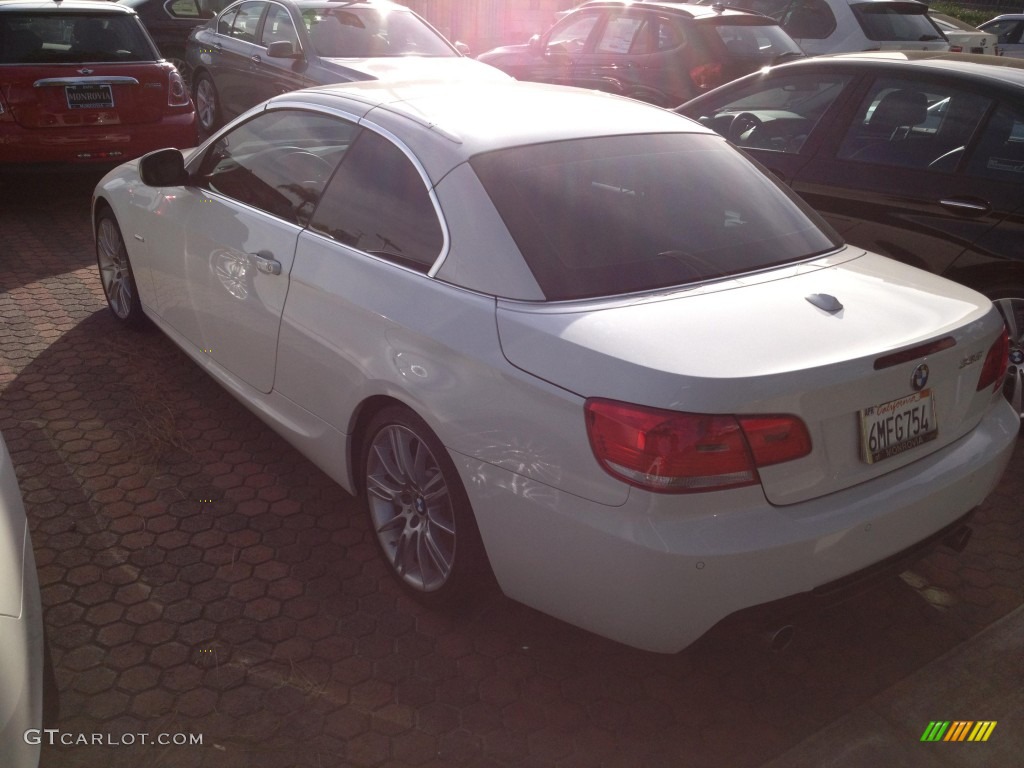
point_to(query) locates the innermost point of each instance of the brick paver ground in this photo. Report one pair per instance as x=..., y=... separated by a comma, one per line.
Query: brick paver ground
x=200, y=577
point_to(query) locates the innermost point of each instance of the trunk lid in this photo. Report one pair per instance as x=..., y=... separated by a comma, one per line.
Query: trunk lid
x=758, y=345
x=58, y=95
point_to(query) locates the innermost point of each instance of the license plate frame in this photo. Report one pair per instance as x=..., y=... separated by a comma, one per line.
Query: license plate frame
x=90, y=96
x=894, y=427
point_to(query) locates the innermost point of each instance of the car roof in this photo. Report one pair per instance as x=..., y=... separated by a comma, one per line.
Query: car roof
x=63, y=6
x=687, y=9
x=996, y=70
x=446, y=123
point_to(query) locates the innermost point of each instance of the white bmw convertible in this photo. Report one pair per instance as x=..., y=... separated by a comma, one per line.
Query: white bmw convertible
x=576, y=339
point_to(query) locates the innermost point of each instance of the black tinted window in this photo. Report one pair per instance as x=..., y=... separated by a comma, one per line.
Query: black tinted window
x=56, y=38
x=1000, y=153
x=278, y=161
x=377, y=202
x=905, y=22
x=604, y=216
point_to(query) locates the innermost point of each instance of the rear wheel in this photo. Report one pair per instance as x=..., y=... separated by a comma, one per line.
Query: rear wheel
x=116, y=272
x=418, y=508
x=1011, y=307
x=207, y=103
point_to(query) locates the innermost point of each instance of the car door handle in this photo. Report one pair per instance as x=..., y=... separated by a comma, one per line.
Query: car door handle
x=965, y=206
x=255, y=58
x=266, y=263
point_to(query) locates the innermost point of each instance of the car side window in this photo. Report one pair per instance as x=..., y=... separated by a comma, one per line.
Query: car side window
x=913, y=124
x=572, y=35
x=999, y=153
x=1007, y=31
x=378, y=202
x=621, y=35
x=669, y=36
x=277, y=162
x=777, y=114
x=183, y=9
x=808, y=20
x=225, y=22
x=279, y=27
x=246, y=20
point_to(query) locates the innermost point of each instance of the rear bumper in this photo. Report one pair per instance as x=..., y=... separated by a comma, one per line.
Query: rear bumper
x=660, y=571
x=92, y=144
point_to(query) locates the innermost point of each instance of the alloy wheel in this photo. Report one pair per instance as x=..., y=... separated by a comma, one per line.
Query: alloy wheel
x=115, y=272
x=411, y=508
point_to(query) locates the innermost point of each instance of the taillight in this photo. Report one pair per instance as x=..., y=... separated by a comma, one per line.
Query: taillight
x=675, y=452
x=177, y=93
x=996, y=361
x=707, y=76
x=956, y=49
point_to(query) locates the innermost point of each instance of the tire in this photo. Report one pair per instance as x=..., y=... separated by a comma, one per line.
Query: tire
x=1010, y=303
x=207, y=103
x=116, y=274
x=418, y=509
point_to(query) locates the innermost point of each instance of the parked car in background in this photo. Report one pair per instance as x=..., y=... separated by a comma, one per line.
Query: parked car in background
x=81, y=84
x=256, y=49
x=1009, y=32
x=23, y=660
x=963, y=38
x=663, y=53
x=840, y=26
x=169, y=23
x=601, y=351
x=919, y=157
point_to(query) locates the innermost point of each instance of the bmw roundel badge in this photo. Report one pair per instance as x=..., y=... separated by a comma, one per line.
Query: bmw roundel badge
x=919, y=377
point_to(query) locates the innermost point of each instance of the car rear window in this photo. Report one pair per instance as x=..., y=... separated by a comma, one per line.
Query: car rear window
x=896, y=21
x=611, y=215
x=72, y=38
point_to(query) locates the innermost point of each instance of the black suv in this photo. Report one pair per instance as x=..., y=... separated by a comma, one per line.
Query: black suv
x=661, y=52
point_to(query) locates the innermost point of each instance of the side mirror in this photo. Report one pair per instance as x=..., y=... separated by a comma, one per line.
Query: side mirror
x=534, y=44
x=282, y=49
x=163, y=168
x=462, y=48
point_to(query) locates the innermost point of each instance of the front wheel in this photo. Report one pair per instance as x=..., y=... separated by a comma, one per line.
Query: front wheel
x=418, y=508
x=116, y=272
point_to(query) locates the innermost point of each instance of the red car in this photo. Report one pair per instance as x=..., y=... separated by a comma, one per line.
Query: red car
x=81, y=82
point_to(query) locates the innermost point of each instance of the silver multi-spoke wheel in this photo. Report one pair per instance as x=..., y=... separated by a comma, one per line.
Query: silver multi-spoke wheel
x=206, y=103
x=411, y=507
x=1012, y=310
x=116, y=271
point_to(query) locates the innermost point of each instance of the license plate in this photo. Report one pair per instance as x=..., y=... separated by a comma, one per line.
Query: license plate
x=89, y=96
x=891, y=428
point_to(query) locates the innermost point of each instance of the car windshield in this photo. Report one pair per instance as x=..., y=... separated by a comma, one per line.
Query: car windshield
x=765, y=42
x=72, y=38
x=896, y=21
x=364, y=32
x=611, y=215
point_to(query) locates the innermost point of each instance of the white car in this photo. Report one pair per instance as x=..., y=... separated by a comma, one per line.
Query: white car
x=963, y=38
x=841, y=26
x=21, y=629
x=601, y=351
